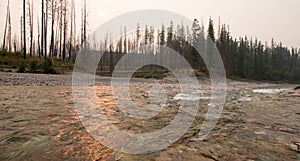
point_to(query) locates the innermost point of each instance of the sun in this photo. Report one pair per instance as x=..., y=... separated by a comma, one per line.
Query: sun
x=101, y=14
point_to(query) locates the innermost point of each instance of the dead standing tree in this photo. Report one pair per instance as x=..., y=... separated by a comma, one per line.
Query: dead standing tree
x=39, y=35
x=24, y=28
x=60, y=11
x=64, y=29
x=53, y=17
x=30, y=23
x=71, y=30
x=42, y=30
x=83, y=23
x=46, y=14
x=7, y=27
x=83, y=28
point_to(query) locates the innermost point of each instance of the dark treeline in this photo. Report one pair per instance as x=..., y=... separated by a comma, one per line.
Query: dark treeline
x=250, y=58
x=243, y=58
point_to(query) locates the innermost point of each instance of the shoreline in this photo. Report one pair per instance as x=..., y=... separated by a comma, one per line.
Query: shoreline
x=33, y=79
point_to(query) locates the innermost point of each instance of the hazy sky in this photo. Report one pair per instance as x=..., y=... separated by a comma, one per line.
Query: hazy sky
x=264, y=19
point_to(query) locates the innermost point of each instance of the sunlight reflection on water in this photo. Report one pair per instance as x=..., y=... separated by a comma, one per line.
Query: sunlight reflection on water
x=269, y=91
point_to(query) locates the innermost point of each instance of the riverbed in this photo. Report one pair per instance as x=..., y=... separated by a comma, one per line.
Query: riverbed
x=39, y=121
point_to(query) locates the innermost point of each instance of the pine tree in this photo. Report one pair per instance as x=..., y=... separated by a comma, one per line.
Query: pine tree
x=162, y=35
x=211, y=32
x=170, y=35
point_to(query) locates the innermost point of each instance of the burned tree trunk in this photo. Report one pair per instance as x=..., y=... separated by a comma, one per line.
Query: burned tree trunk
x=24, y=28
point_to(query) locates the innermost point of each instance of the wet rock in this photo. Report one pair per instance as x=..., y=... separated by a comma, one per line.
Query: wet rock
x=297, y=88
x=295, y=146
x=17, y=139
x=269, y=97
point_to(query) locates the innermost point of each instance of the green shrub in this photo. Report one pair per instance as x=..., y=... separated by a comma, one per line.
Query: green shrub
x=138, y=75
x=277, y=75
x=47, y=67
x=148, y=75
x=21, y=68
x=68, y=66
x=10, y=60
x=33, y=66
x=152, y=75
